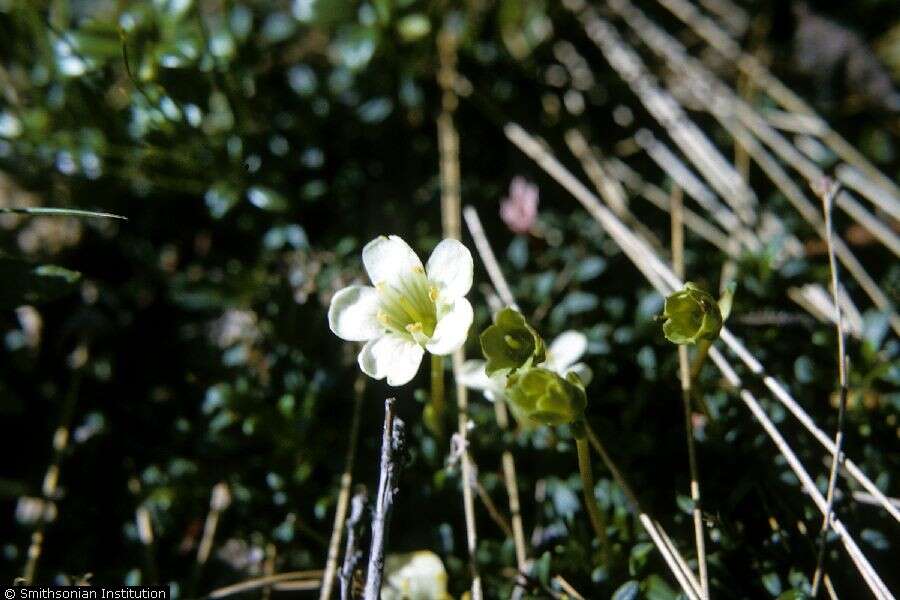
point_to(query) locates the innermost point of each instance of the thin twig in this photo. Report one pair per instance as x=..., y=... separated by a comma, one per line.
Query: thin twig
x=392, y=443
x=352, y=552
x=827, y=199
x=685, y=372
x=340, y=513
x=448, y=145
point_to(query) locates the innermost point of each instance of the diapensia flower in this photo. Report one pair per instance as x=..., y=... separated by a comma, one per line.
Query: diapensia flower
x=409, y=310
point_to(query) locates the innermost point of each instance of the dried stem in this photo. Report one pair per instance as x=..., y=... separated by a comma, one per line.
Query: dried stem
x=352, y=553
x=340, y=513
x=473, y=223
x=392, y=443
x=598, y=519
x=685, y=371
x=827, y=199
x=448, y=145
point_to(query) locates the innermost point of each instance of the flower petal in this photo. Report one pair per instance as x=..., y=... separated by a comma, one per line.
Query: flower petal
x=450, y=267
x=391, y=356
x=472, y=375
x=387, y=258
x=565, y=350
x=353, y=314
x=452, y=328
x=584, y=372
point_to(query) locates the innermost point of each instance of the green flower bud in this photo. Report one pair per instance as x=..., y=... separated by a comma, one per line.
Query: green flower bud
x=545, y=397
x=510, y=343
x=691, y=315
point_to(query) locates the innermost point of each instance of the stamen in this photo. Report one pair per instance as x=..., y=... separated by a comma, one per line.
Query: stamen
x=511, y=342
x=417, y=333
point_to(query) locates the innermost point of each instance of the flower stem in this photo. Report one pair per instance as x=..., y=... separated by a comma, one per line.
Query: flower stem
x=598, y=519
x=434, y=412
x=703, y=347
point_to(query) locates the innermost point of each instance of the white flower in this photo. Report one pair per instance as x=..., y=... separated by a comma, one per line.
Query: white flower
x=409, y=310
x=562, y=355
x=415, y=576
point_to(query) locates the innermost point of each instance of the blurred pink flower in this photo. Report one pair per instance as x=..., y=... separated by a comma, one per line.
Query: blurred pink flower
x=519, y=209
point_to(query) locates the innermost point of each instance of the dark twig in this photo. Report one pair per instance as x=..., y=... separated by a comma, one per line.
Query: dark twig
x=391, y=447
x=352, y=554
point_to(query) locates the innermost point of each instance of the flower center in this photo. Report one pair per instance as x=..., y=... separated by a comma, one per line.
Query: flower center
x=408, y=306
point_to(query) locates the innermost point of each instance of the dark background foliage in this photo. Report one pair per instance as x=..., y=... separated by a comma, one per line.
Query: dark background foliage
x=254, y=148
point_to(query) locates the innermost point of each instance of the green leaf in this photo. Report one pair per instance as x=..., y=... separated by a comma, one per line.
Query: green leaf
x=639, y=554
x=26, y=283
x=63, y=212
x=655, y=588
x=266, y=199
x=627, y=591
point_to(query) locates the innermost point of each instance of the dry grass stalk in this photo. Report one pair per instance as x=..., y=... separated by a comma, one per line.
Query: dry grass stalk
x=665, y=281
x=660, y=199
x=668, y=112
x=610, y=189
x=827, y=199
x=343, y=501
x=725, y=109
x=567, y=588
x=448, y=143
x=260, y=582
x=854, y=178
x=50, y=486
x=760, y=75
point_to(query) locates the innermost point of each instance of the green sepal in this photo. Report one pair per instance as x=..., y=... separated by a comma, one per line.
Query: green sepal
x=511, y=343
x=543, y=396
x=691, y=315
